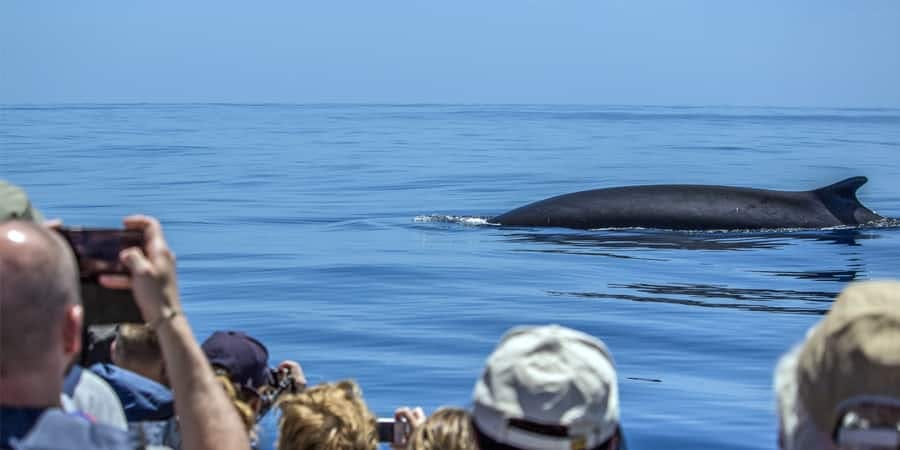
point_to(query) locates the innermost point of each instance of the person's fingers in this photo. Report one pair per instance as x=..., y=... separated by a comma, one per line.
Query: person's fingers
x=404, y=417
x=53, y=224
x=154, y=243
x=413, y=417
x=292, y=366
x=136, y=222
x=400, y=413
x=137, y=264
x=288, y=364
x=418, y=415
x=110, y=281
x=295, y=372
x=148, y=225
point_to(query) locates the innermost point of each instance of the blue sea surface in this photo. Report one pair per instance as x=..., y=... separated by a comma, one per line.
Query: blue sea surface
x=320, y=229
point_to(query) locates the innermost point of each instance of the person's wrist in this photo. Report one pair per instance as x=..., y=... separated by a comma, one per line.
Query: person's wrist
x=152, y=309
x=167, y=315
x=155, y=301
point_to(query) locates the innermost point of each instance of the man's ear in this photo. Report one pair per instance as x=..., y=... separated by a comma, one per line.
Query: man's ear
x=72, y=330
x=113, y=356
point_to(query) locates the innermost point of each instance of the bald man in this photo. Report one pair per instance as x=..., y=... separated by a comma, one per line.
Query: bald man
x=40, y=333
x=86, y=391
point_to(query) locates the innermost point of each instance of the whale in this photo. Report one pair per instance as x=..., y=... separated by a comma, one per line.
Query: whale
x=697, y=207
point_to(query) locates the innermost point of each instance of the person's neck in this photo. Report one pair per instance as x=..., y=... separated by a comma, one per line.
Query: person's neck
x=30, y=390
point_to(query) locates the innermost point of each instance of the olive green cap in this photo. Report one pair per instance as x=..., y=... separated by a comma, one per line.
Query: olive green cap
x=853, y=355
x=14, y=204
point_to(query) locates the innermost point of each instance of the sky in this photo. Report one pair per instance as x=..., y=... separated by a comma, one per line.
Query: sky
x=817, y=53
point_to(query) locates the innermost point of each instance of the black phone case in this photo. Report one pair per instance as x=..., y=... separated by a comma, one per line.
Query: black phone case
x=108, y=306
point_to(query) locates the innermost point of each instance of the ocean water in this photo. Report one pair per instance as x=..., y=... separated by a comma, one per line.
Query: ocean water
x=320, y=229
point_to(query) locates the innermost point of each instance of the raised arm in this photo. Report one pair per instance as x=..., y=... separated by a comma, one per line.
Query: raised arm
x=208, y=419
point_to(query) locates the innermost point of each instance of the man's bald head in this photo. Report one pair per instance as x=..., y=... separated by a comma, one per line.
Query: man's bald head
x=38, y=287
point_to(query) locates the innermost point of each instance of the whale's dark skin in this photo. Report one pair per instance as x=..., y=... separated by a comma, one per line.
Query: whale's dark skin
x=697, y=207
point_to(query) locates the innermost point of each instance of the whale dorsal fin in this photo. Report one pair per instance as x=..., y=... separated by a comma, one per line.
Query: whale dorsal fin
x=845, y=189
x=840, y=199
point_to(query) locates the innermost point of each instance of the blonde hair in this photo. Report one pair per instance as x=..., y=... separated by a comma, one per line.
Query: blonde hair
x=244, y=410
x=137, y=342
x=445, y=429
x=330, y=416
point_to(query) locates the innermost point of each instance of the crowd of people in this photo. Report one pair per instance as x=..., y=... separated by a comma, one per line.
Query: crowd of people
x=543, y=387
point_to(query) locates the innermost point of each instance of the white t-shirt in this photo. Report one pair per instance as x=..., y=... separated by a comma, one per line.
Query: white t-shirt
x=94, y=396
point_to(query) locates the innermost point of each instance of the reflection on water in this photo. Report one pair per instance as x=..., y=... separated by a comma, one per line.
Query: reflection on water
x=839, y=276
x=576, y=242
x=716, y=291
x=581, y=242
x=649, y=380
x=701, y=295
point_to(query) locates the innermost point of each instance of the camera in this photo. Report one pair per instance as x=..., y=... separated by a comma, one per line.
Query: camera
x=389, y=430
x=280, y=382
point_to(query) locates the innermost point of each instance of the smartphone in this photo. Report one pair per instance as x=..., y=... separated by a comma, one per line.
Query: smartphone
x=97, y=249
x=104, y=306
x=385, y=429
x=390, y=431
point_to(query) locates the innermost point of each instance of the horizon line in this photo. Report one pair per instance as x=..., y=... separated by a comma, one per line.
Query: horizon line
x=419, y=104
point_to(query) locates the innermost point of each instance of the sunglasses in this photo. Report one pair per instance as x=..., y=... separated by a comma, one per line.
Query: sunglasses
x=858, y=432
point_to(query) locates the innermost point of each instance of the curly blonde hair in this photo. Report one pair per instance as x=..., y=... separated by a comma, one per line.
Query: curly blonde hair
x=445, y=429
x=330, y=416
x=244, y=410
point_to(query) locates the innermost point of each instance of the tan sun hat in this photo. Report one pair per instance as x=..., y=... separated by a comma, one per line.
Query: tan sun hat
x=14, y=204
x=853, y=355
x=548, y=387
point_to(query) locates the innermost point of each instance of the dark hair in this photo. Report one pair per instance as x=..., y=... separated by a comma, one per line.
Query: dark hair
x=485, y=442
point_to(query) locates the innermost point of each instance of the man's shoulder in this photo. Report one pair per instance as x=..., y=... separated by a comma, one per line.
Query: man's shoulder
x=95, y=397
x=92, y=382
x=57, y=429
x=16, y=422
x=118, y=377
x=142, y=398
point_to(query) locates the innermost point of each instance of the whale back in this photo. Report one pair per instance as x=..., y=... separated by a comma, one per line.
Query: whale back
x=696, y=207
x=840, y=199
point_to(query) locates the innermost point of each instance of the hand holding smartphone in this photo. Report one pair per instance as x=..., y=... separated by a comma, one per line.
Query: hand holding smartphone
x=397, y=430
x=97, y=252
x=97, y=249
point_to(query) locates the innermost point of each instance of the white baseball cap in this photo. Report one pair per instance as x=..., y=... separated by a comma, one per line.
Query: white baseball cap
x=548, y=387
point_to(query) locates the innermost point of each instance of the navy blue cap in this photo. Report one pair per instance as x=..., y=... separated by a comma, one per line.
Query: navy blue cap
x=245, y=358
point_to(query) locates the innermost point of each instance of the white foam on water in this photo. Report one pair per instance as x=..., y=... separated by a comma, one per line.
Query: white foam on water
x=462, y=220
